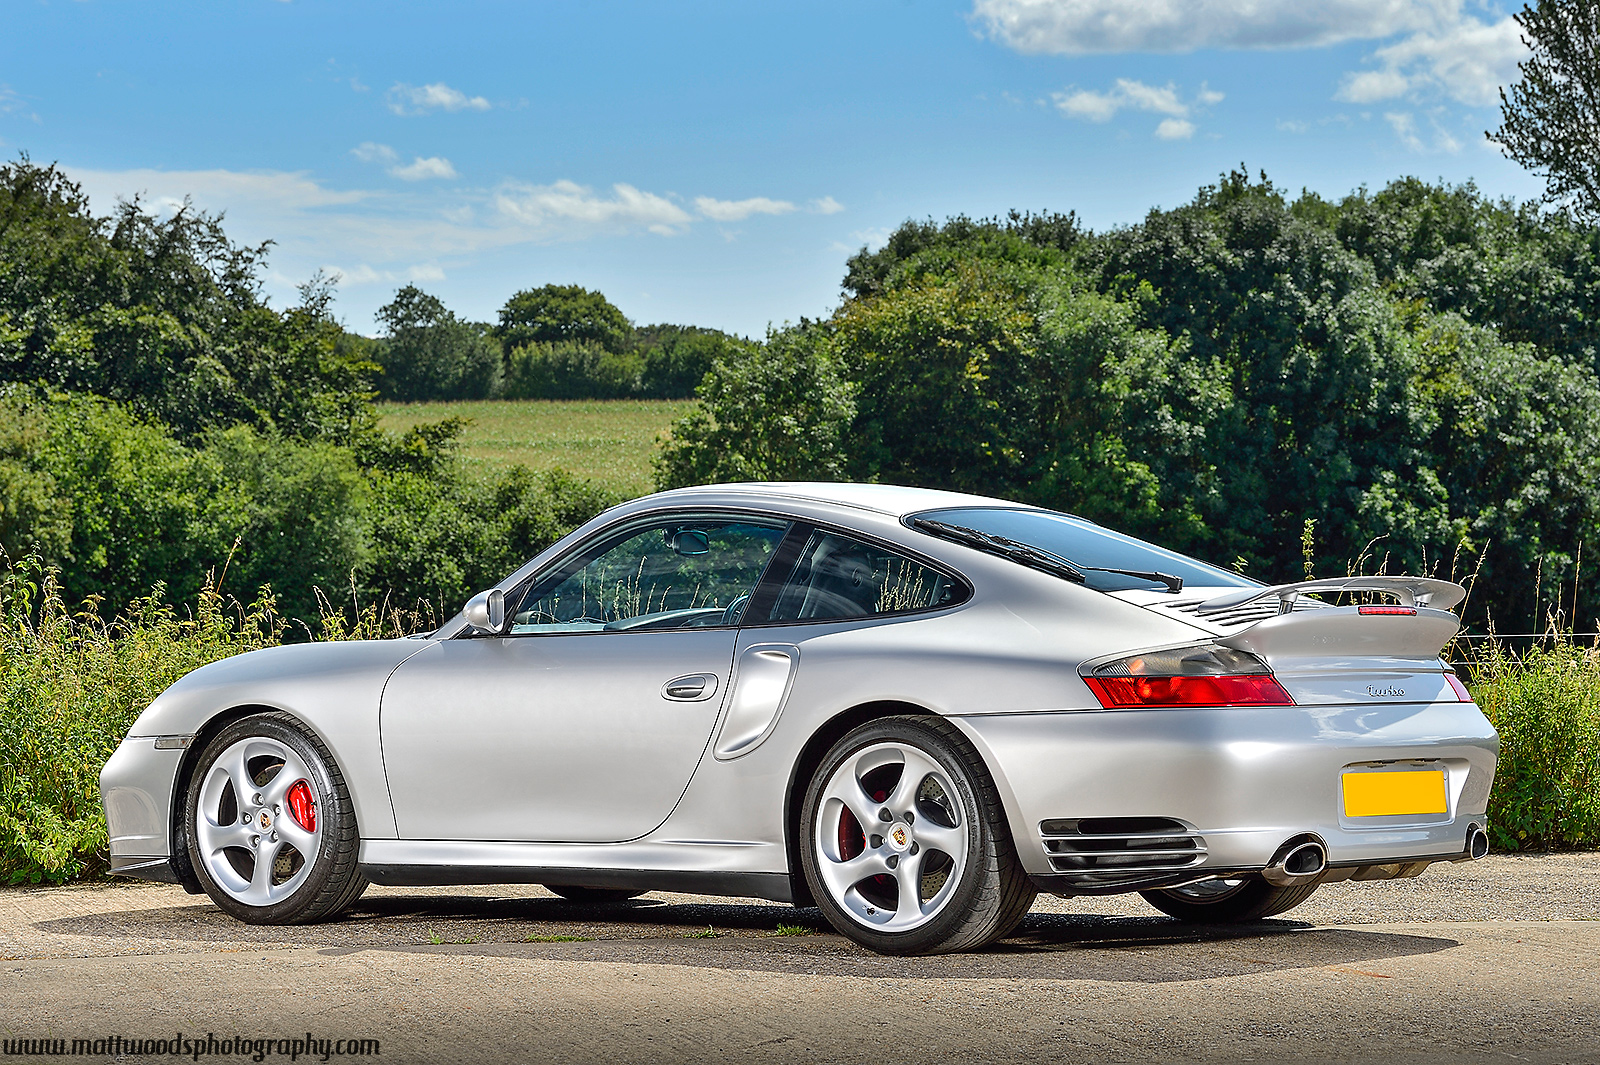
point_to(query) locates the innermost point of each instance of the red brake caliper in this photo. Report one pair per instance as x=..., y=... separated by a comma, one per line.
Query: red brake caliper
x=853, y=840
x=303, y=806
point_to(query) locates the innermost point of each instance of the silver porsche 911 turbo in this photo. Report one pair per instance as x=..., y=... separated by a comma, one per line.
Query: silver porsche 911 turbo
x=912, y=709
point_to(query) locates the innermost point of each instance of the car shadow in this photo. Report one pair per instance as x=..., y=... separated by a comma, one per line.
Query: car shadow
x=770, y=938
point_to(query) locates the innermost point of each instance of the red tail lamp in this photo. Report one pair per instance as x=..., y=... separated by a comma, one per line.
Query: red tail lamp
x=1209, y=675
x=303, y=806
x=1459, y=688
x=1388, y=611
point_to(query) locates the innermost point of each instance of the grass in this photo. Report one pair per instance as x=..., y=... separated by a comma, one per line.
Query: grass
x=611, y=441
x=794, y=930
x=707, y=933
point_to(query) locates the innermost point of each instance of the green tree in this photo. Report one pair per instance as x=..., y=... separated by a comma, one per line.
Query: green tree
x=778, y=412
x=677, y=357
x=1550, y=120
x=164, y=314
x=429, y=353
x=553, y=314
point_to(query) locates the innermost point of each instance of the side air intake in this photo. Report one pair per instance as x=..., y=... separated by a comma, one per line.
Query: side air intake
x=1120, y=844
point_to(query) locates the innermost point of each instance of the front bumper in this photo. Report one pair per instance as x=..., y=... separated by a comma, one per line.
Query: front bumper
x=1221, y=790
x=136, y=789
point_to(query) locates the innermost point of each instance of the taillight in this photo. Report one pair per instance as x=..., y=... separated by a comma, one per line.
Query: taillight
x=1187, y=676
x=1388, y=611
x=1459, y=688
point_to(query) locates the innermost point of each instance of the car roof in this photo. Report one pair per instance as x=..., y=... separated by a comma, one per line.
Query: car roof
x=894, y=499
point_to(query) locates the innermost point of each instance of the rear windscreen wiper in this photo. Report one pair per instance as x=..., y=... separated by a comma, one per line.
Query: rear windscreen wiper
x=1033, y=557
x=1173, y=582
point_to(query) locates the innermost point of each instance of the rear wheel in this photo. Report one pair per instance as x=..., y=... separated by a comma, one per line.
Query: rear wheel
x=270, y=828
x=905, y=844
x=577, y=893
x=1238, y=900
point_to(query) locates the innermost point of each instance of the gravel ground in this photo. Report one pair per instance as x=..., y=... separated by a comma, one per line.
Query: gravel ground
x=1493, y=960
x=127, y=918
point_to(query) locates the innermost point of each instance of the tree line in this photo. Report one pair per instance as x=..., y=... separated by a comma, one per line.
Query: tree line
x=552, y=342
x=160, y=421
x=1403, y=379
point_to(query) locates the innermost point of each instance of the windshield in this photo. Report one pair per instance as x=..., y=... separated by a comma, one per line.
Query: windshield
x=1090, y=547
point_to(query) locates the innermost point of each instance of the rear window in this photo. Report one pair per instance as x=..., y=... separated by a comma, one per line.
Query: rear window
x=1084, y=544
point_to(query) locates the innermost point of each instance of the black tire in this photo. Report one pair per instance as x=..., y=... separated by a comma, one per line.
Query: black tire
x=992, y=893
x=1250, y=899
x=333, y=881
x=578, y=893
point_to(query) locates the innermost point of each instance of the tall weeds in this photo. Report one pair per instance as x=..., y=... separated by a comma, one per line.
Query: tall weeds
x=70, y=687
x=1545, y=703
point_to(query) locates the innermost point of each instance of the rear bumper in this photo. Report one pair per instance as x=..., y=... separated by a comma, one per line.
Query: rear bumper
x=1225, y=788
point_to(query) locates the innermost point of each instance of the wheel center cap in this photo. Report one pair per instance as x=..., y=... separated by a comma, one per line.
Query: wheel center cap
x=264, y=819
x=898, y=836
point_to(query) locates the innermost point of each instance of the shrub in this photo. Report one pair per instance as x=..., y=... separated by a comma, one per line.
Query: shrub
x=70, y=687
x=1546, y=705
x=572, y=369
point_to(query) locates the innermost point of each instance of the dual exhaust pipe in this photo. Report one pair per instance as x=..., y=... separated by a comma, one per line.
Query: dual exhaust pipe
x=1301, y=860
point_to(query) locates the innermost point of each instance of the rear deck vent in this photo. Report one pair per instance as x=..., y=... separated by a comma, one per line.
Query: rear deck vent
x=1245, y=614
x=1147, y=844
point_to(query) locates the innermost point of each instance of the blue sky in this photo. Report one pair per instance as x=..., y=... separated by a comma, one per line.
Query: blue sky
x=715, y=163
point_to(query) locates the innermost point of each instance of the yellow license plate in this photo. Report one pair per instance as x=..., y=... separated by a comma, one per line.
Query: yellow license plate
x=1395, y=793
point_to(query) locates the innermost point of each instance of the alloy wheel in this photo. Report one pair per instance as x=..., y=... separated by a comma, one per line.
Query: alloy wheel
x=256, y=827
x=891, y=841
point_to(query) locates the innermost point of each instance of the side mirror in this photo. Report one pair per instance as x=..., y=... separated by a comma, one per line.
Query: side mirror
x=691, y=542
x=487, y=610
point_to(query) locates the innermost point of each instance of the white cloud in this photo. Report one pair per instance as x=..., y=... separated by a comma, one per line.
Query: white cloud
x=1136, y=95
x=1287, y=125
x=1094, y=106
x=565, y=204
x=213, y=190
x=1405, y=127
x=1462, y=49
x=13, y=104
x=1175, y=129
x=1466, y=60
x=1075, y=27
x=739, y=210
x=826, y=205
x=357, y=276
x=1103, y=106
x=421, y=99
x=420, y=169
x=372, y=152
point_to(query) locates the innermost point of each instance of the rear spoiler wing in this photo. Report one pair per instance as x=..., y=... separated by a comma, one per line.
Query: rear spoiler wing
x=1411, y=591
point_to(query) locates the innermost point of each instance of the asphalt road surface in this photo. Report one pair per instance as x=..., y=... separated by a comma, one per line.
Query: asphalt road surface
x=1498, y=960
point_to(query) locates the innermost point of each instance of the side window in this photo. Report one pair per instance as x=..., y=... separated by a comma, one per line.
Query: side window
x=672, y=574
x=840, y=577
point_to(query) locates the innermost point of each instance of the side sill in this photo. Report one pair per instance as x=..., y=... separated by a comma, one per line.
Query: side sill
x=159, y=869
x=772, y=886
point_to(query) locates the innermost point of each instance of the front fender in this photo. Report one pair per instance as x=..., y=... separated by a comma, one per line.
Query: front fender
x=332, y=688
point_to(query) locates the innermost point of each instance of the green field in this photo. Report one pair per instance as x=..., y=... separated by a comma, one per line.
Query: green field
x=609, y=440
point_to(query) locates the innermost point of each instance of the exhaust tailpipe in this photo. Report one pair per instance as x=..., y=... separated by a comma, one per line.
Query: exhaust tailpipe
x=1297, y=863
x=1477, y=843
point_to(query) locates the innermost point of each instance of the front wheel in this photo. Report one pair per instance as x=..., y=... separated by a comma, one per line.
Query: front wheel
x=270, y=826
x=1238, y=900
x=905, y=844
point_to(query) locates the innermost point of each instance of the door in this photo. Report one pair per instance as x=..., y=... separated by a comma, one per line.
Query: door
x=585, y=721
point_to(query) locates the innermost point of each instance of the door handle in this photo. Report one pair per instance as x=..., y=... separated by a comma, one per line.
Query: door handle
x=691, y=689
